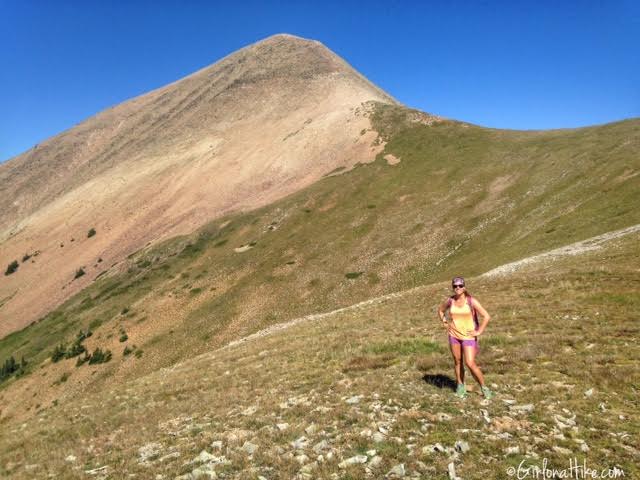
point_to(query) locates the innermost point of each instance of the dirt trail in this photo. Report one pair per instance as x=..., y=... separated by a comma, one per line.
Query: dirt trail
x=577, y=248
x=590, y=244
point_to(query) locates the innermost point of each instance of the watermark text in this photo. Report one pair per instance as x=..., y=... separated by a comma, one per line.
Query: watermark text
x=575, y=469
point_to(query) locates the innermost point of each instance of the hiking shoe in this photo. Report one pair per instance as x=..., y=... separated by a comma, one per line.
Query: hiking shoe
x=487, y=393
x=461, y=391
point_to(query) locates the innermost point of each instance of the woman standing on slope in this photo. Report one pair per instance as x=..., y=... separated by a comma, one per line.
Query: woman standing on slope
x=463, y=332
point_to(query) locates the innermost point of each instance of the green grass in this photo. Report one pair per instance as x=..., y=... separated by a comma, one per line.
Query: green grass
x=303, y=368
x=463, y=199
x=406, y=347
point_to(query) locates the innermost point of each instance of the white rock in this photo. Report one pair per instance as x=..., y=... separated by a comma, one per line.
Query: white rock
x=311, y=429
x=70, y=458
x=397, y=471
x=353, y=461
x=564, y=422
x=217, y=445
x=149, y=452
x=433, y=448
x=320, y=446
x=169, y=456
x=512, y=450
x=307, y=469
x=522, y=408
x=204, y=471
x=97, y=471
x=204, y=457
x=250, y=448
x=485, y=415
x=375, y=461
x=451, y=469
x=302, y=459
x=249, y=411
x=300, y=443
x=282, y=426
x=462, y=446
x=561, y=450
x=443, y=417
x=588, y=393
x=378, y=437
x=354, y=400
x=372, y=453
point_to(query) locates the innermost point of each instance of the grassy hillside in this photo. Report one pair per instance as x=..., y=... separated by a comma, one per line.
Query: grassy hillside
x=462, y=199
x=373, y=384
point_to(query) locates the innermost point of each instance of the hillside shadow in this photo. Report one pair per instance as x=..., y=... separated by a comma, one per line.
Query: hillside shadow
x=440, y=381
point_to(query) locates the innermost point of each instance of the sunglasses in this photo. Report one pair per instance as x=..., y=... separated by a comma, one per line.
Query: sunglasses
x=458, y=286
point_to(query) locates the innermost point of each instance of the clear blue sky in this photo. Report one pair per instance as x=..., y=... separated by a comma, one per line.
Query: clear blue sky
x=512, y=64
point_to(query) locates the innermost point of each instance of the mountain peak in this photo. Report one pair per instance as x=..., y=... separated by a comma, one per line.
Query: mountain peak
x=257, y=125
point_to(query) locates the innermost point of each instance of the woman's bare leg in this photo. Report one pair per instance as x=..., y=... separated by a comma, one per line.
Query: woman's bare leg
x=470, y=360
x=456, y=352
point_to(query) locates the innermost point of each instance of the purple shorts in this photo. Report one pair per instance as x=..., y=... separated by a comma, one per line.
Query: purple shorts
x=464, y=343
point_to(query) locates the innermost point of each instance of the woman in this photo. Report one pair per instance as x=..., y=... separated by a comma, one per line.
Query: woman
x=463, y=332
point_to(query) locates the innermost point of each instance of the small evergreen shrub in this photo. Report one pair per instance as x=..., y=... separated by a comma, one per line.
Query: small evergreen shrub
x=11, y=367
x=127, y=351
x=124, y=337
x=91, y=233
x=26, y=257
x=82, y=360
x=11, y=268
x=58, y=353
x=99, y=356
x=76, y=349
x=80, y=272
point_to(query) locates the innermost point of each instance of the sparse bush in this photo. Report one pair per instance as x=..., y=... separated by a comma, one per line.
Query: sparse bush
x=25, y=257
x=11, y=268
x=124, y=337
x=80, y=272
x=91, y=233
x=11, y=367
x=63, y=378
x=82, y=335
x=58, y=353
x=127, y=351
x=76, y=349
x=352, y=275
x=99, y=356
x=124, y=311
x=82, y=360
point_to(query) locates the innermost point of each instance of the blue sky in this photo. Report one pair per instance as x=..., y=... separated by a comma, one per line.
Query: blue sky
x=513, y=64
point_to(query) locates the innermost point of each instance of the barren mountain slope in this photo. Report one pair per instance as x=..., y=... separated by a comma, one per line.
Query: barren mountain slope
x=256, y=126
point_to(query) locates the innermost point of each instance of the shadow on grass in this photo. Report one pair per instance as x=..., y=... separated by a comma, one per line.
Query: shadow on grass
x=440, y=381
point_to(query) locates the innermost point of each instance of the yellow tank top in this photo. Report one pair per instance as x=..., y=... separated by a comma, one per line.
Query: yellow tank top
x=462, y=319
